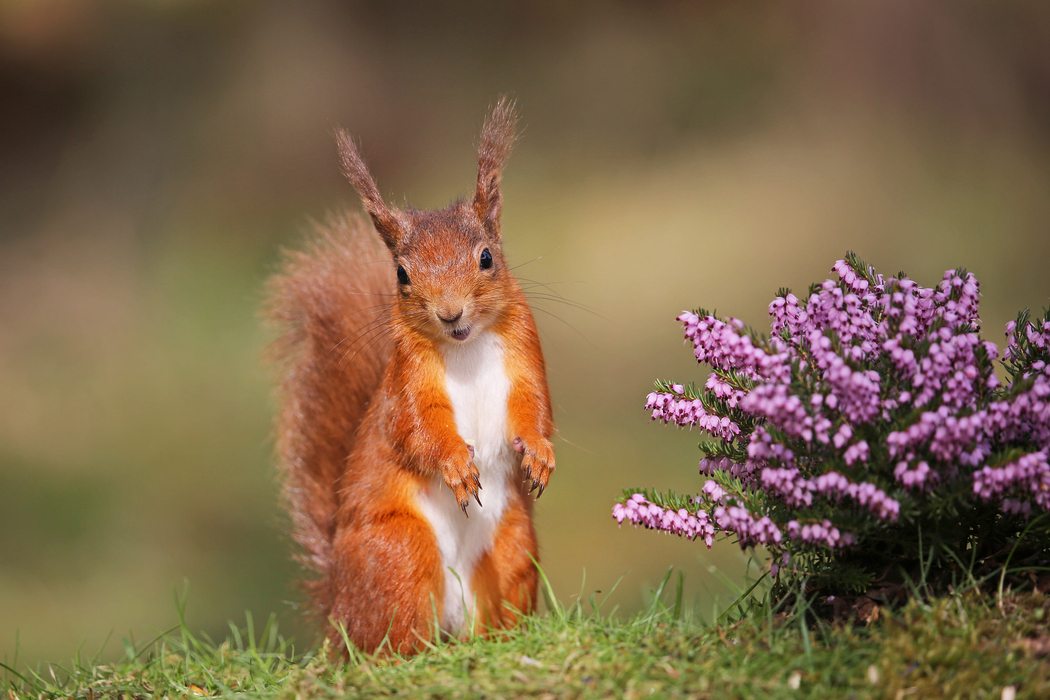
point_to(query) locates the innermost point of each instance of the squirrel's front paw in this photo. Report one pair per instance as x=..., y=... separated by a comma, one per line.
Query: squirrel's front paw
x=537, y=462
x=462, y=476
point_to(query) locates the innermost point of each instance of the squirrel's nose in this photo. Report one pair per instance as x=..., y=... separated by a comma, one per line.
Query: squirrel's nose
x=449, y=316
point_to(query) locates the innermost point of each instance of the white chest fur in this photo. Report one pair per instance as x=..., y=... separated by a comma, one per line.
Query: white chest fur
x=477, y=384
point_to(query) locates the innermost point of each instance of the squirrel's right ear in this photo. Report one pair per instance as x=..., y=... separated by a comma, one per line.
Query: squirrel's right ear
x=386, y=221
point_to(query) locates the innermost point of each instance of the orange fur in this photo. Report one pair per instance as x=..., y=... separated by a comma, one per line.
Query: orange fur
x=366, y=423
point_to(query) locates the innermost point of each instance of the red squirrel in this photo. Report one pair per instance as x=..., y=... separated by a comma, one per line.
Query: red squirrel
x=415, y=418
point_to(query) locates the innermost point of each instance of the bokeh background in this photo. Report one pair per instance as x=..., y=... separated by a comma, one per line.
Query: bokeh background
x=155, y=155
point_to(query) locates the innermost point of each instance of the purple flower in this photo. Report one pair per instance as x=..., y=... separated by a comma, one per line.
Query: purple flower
x=871, y=394
x=639, y=511
x=745, y=472
x=822, y=533
x=685, y=412
x=1029, y=477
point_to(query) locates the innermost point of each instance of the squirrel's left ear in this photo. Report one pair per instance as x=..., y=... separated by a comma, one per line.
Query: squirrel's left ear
x=497, y=137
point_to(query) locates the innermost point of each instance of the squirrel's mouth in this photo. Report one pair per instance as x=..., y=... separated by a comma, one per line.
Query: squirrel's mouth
x=460, y=334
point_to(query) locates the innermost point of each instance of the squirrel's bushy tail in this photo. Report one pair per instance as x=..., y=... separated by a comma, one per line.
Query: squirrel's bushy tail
x=330, y=304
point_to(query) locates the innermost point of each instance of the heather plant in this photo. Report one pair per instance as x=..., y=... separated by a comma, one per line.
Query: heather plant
x=867, y=441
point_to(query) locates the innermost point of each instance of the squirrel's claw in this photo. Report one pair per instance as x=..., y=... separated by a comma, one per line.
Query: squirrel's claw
x=462, y=476
x=537, y=462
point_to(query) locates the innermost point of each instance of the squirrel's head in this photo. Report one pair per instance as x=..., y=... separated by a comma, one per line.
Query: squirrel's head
x=452, y=278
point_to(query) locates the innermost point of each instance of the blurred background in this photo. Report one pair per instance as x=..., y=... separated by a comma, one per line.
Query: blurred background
x=156, y=155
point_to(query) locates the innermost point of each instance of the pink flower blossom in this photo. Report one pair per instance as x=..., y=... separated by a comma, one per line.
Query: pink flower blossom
x=871, y=394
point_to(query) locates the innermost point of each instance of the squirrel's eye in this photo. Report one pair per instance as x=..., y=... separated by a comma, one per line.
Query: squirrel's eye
x=486, y=259
x=402, y=276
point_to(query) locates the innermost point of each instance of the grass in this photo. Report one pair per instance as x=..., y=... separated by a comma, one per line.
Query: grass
x=960, y=646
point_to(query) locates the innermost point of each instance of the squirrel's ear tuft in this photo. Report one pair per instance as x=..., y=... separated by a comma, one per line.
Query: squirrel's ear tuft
x=497, y=137
x=386, y=221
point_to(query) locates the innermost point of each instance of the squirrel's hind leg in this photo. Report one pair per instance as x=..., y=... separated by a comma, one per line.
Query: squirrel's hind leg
x=505, y=578
x=388, y=583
